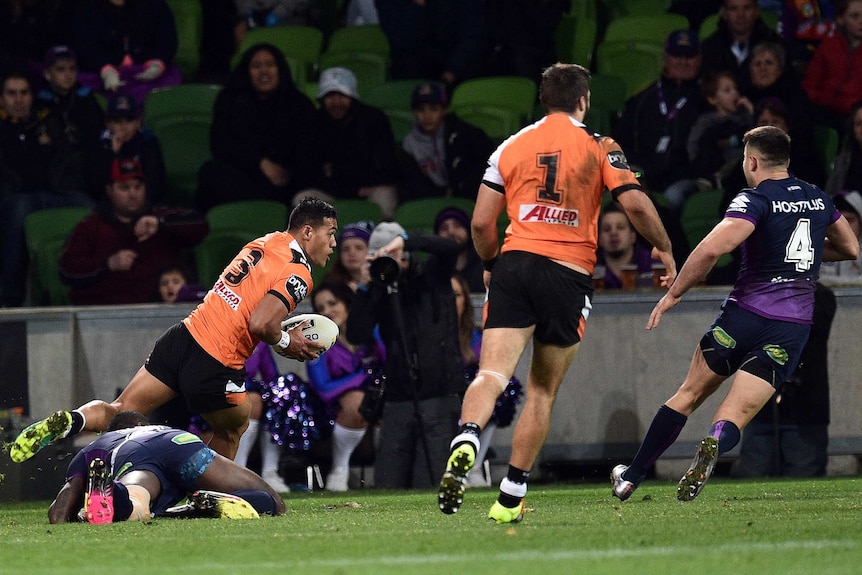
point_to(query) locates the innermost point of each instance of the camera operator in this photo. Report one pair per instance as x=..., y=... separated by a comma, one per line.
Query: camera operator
x=413, y=303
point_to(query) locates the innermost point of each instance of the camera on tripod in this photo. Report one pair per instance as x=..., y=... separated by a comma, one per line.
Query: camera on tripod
x=385, y=269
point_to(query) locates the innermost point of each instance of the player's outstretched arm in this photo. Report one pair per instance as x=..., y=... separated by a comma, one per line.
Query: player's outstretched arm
x=68, y=502
x=644, y=217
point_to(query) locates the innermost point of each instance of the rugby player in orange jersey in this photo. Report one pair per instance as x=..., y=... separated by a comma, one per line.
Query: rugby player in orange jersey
x=203, y=357
x=549, y=177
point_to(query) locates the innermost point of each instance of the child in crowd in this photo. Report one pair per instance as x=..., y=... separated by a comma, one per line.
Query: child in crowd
x=715, y=142
x=176, y=285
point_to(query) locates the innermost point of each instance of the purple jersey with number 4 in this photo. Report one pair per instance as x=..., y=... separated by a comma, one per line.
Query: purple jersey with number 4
x=781, y=258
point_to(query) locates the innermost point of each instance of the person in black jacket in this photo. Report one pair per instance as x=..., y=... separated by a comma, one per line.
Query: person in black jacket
x=261, y=125
x=38, y=170
x=351, y=146
x=124, y=136
x=442, y=155
x=418, y=322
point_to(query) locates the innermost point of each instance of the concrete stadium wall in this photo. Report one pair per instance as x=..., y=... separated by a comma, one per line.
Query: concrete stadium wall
x=621, y=375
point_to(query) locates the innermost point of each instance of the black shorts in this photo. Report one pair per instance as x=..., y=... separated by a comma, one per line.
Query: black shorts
x=738, y=336
x=527, y=289
x=180, y=363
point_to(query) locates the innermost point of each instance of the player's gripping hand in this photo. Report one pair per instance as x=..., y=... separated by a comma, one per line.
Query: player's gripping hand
x=293, y=345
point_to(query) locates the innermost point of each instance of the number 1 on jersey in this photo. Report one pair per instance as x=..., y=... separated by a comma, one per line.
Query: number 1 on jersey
x=549, y=163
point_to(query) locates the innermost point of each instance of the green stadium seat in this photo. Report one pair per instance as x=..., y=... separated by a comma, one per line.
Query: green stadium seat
x=303, y=43
x=418, y=215
x=514, y=93
x=638, y=64
x=607, y=99
x=369, y=68
x=497, y=123
x=827, y=142
x=366, y=38
x=216, y=251
x=391, y=95
x=350, y=211
x=710, y=24
x=188, y=18
x=46, y=232
x=180, y=116
x=577, y=33
x=653, y=28
x=620, y=8
x=252, y=218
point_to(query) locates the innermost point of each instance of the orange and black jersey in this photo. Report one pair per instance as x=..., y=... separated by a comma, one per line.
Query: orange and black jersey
x=274, y=264
x=553, y=174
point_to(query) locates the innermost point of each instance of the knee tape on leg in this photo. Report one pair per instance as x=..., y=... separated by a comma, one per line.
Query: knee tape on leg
x=140, y=499
x=504, y=381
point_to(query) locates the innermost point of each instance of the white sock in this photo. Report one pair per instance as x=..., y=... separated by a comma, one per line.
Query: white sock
x=512, y=488
x=270, y=452
x=344, y=442
x=246, y=442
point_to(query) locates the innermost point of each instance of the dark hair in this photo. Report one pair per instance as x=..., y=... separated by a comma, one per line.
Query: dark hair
x=772, y=143
x=310, y=211
x=563, y=85
x=181, y=269
x=240, y=81
x=773, y=48
x=775, y=107
x=709, y=84
x=126, y=419
x=341, y=291
x=466, y=323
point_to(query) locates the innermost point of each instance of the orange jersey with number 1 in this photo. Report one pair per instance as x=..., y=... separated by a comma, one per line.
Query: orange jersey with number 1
x=553, y=174
x=273, y=264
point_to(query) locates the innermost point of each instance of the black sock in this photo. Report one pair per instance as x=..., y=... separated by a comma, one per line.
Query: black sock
x=727, y=434
x=262, y=501
x=519, y=478
x=77, y=424
x=665, y=428
x=470, y=428
x=122, y=502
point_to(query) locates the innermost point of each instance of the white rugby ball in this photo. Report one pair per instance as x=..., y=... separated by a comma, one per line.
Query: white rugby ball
x=320, y=328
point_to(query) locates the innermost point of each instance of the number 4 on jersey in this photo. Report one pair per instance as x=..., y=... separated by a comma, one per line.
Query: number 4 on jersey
x=799, y=249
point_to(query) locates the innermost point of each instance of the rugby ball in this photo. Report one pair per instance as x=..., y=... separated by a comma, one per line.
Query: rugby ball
x=320, y=328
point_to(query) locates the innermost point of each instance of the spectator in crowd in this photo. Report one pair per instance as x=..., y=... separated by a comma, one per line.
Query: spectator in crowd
x=351, y=146
x=442, y=154
x=655, y=125
x=361, y=13
x=695, y=10
x=259, y=13
x=137, y=471
x=739, y=30
x=454, y=223
x=619, y=249
x=804, y=25
x=75, y=105
x=441, y=40
x=38, y=170
x=124, y=136
x=29, y=27
x=772, y=78
x=833, y=78
x=125, y=46
x=340, y=378
x=789, y=436
x=261, y=372
x=114, y=256
x=261, y=127
x=849, y=203
x=846, y=173
x=351, y=263
x=520, y=36
x=414, y=307
x=804, y=159
x=715, y=142
x=470, y=342
x=176, y=284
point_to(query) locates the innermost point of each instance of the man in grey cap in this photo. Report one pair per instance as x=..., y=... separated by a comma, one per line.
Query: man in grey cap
x=352, y=149
x=414, y=306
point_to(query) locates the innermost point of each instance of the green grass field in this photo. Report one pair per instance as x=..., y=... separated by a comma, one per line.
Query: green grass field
x=734, y=527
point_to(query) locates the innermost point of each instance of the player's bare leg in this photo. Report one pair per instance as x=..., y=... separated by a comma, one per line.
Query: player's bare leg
x=143, y=394
x=228, y=426
x=501, y=349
